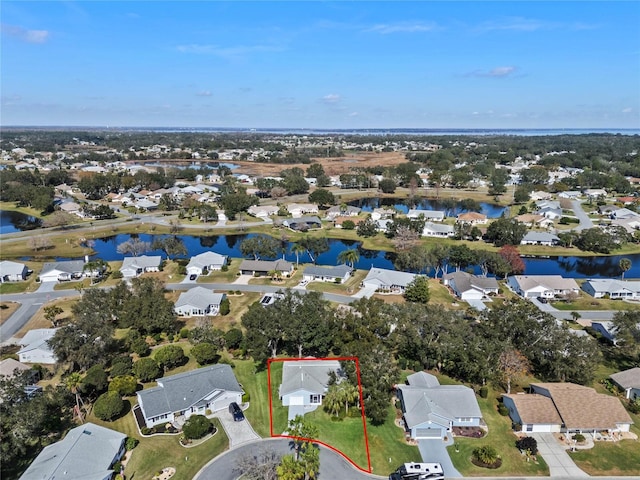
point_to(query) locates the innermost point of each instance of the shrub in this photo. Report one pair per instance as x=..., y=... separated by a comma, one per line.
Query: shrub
x=170, y=356
x=184, y=332
x=196, y=426
x=145, y=431
x=117, y=274
x=246, y=397
x=486, y=455
x=503, y=410
x=204, y=353
x=146, y=369
x=108, y=406
x=140, y=347
x=130, y=443
x=527, y=443
x=634, y=406
x=233, y=338
x=225, y=306
x=348, y=225
x=182, y=270
x=578, y=437
x=484, y=391
x=124, y=385
x=121, y=366
x=224, y=268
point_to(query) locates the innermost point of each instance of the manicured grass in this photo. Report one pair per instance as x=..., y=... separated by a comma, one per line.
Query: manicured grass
x=502, y=438
x=255, y=384
x=611, y=458
x=587, y=302
x=351, y=286
x=283, y=282
x=279, y=412
x=219, y=276
x=12, y=287
x=157, y=452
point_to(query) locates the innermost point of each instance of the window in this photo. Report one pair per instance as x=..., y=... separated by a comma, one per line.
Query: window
x=529, y=428
x=316, y=399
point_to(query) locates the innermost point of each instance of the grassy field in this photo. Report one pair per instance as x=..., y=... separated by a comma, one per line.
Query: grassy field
x=157, y=452
x=38, y=320
x=7, y=309
x=351, y=286
x=502, y=438
x=255, y=383
x=587, y=302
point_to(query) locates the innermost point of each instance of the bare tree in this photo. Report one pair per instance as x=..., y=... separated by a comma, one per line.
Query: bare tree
x=405, y=238
x=260, y=466
x=278, y=192
x=513, y=365
x=134, y=246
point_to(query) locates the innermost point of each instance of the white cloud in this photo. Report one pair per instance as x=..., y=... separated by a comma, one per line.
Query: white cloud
x=402, y=27
x=331, y=98
x=497, y=72
x=354, y=114
x=204, y=93
x=627, y=110
x=29, y=36
x=523, y=24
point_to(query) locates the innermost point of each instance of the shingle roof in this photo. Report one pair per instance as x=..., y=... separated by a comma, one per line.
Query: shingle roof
x=384, y=277
x=540, y=237
x=266, y=265
x=37, y=339
x=142, y=261
x=309, y=375
x=423, y=379
x=181, y=391
x=68, y=266
x=426, y=213
x=338, y=271
x=536, y=409
x=8, y=267
x=85, y=453
x=199, y=297
x=8, y=366
x=551, y=282
x=465, y=281
x=205, y=259
x=607, y=285
x=627, y=378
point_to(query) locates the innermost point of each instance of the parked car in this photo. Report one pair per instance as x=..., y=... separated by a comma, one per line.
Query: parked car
x=193, y=276
x=542, y=300
x=236, y=411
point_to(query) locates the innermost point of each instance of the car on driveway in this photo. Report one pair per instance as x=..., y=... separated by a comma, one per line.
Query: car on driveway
x=542, y=300
x=236, y=411
x=193, y=276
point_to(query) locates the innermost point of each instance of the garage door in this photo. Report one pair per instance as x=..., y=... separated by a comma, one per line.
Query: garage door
x=298, y=400
x=428, y=433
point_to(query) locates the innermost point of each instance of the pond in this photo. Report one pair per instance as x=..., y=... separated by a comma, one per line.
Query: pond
x=11, y=221
x=567, y=266
x=451, y=207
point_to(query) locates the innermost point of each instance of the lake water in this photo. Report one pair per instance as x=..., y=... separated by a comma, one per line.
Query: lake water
x=451, y=209
x=16, y=222
x=575, y=267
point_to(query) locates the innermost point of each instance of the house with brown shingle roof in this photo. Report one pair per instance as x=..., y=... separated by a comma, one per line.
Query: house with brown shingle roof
x=472, y=218
x=567, y=407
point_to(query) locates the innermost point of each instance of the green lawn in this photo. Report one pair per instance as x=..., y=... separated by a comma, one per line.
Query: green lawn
x=351, y=286
x=611, y=458
x=13, y=287
x=255, y=383
x=587, y=302
x=502, y=438
x=156, y=452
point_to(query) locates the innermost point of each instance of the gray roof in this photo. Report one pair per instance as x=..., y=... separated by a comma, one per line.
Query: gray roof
x=142, y=261
x=338, y=271
x=540, y=237
x=199, y=297
x=426, y=213
x=207, y=258
x=68, y=266
x=85, y=453
x=424, y=404
x=8, y=267
x=308, y=219
x=37, y=339
x=266, y=265
x=422, y=379
x=465, y=281
x=309, y=375
x=435, y=227
x=550, y=282
x=350, y=210
x=181, y=391
x=607, y=285
x=627, y=378
x=384, y=277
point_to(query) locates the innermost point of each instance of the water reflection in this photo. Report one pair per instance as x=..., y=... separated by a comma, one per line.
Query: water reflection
x=450, y=206
x=11, y=221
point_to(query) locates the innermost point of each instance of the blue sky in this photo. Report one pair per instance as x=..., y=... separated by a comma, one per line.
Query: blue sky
x=307, y=64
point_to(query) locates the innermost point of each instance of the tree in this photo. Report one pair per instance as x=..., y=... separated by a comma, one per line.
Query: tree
x=527, y=444
x=506, y=231
x=405, y=238
x=367, y=228
x=290, y=469
x=461, y=256
x=417, y=290
x=58, y=219
x=133, y=246
x=260, y=466
x=315, y=170
x=146, y=308
x=108, y=406
x=348, y=225
x=349, y=256
x=171, y=246
x=596, y=240
x=303, y=433
x=498, y=182
x=170, y=356
x=416, y=259
x=260, y=246
x=204, y=353
x=627, y=332
x=95, y=381
x=512, y=257
x=125, y=385
x=147, y=369
x=513, y=365
x=225, y=306
x=51, y=312
x=234, y=203
x=196, y=426
x=387, y=185
x=297, y=249
x=322, y=197
x=233, y=338
x=315, y=246
x=625, y=266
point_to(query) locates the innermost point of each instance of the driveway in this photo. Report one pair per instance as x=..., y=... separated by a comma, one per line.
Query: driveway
x=585, y=221
x=46, y=287
x=559, y=461
x=435, y=451
x=238, y=432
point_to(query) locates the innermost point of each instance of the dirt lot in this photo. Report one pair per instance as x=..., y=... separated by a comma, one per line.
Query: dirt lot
x=332, y=166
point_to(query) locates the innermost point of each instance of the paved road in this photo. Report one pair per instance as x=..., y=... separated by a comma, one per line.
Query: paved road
x=560, y=463
x=595, y=315
x=225, y=466
x=585, y=221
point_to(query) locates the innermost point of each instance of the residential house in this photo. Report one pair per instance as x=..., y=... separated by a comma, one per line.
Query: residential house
x=437, y=230
x=305, y=382
x=67, y=270
x=205, y=263
x=13, y=271
x=612, y=288
x=608, y=210
x=382, y=213
x=35, y=346
x=144, y=204
x=72, y=208
x=607, y=329
x=431, y=410
x=264, y=267
x=382, y=225
x=532, y=220
x=472, y=218
x=302, y=224
x=466, y=286
x=263, y=211
x=429, y=215
x=342, y=211
x=624, y=213
x=629, y=382
x=87, y=452
x=337, y=274
x=135, y=266
x=300, y=209
x=9, y=367
x=540, y=238
x=199, y=302
x=381, y=279
x=547, y=286
x=595, y=193
x=190, y=393
x=338, y=222
x=566, y=407
x=572, y=194
x=539, y=195
x=550, y=212
x=628, y=200
x=630, y=224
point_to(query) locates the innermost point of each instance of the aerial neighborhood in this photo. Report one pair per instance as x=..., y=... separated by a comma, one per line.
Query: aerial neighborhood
x=470, y=301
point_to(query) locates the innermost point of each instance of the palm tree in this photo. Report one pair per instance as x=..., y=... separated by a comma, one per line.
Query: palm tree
x=297, y=249
x=73, y=382
x=350, y=257
x=625, y=265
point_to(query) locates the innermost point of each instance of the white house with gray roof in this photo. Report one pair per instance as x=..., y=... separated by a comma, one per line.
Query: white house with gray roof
x=87, y=452
x=547, y=286
x=65, y=271
x=388, y=280
x=205, y=263
x=263, y=267
x=629, y=382
x=12, y=271
x=189, y=393
x=342, y=211
x=470, y=287
x=199, y=302
x=337, y=274
x=540, y=238
x=305, y=382
x=430, y=215
x=431, y=410
x=35, y=346
x=437, y=230
x=614, y=289
x=135, y=266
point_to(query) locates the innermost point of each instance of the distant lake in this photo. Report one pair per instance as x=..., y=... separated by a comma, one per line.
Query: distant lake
x=450, y=208
x=11, y=221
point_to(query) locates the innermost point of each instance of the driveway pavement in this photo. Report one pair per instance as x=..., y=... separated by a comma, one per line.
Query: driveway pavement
x=435, y=451
x=585, y=221
x=238, y=432
x=46, y=287
x=559, y=461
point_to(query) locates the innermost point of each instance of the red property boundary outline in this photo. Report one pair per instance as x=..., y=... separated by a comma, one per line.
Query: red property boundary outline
x=364, y=421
